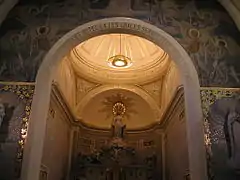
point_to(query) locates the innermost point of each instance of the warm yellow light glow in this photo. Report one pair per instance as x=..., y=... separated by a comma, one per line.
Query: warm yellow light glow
x=119, y=63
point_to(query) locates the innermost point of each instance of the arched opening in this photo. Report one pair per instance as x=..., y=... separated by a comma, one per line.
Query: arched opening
x=40, y=105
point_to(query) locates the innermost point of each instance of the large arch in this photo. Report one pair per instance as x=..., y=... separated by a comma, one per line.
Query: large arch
x=40, y=104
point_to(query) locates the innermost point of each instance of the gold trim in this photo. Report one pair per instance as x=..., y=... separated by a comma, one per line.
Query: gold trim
x=17, y=83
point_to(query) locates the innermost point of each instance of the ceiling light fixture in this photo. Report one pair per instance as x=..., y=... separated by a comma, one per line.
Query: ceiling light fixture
x=119, y=61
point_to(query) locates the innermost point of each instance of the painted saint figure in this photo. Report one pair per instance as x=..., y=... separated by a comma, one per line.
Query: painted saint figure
x=232, y=135
x=2, y=113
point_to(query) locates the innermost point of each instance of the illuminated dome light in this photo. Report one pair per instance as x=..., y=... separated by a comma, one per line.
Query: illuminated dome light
x=119, y=61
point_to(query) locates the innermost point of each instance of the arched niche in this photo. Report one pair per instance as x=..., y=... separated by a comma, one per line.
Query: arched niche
x=189, y=76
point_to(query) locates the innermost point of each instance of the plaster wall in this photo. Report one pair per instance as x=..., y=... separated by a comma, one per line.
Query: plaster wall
x=176, y=148
x=172, y=81
x=57, y=143
x=65, y=79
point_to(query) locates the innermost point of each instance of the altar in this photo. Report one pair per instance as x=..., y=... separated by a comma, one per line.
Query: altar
x=116, y=160
x=116, y=173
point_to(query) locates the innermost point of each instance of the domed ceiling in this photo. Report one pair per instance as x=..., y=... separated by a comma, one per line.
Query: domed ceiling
x=100, y=70
x=146, y=61
x=98, y=112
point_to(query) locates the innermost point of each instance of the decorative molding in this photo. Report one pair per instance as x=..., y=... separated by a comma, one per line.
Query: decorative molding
x=154, y=89
x=83, y=87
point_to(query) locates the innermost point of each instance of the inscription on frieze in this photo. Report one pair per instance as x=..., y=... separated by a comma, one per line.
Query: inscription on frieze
x=102, y=27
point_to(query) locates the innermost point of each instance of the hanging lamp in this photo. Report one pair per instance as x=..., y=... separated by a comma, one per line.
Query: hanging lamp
x=119, y=60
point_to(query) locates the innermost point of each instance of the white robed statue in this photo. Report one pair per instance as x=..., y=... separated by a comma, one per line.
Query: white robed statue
x=118, y=126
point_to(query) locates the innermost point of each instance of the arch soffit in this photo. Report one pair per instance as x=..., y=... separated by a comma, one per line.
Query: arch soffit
x=135, y=89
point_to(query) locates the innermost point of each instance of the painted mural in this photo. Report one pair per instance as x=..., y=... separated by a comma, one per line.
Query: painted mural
x=203, y=28
x=15, y=102
x=221, y=108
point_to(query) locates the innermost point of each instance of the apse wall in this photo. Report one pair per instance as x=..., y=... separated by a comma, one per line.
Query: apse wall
x=57, y=143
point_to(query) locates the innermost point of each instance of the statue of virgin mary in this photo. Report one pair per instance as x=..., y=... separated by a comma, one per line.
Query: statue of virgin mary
x=117, y=125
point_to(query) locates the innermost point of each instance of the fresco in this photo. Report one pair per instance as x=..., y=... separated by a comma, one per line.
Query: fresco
x=203, y=28
x=15, y=102
x=221, y=108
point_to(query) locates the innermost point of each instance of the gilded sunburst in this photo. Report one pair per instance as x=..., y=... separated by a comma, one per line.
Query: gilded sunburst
x=110, y=101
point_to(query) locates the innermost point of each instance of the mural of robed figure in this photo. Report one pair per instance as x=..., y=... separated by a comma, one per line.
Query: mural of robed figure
x=225, y=133
x=2, y=113
x=11, y=111
x=6, y=113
